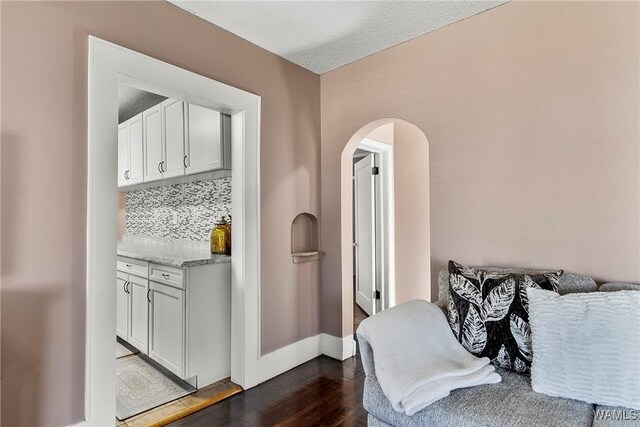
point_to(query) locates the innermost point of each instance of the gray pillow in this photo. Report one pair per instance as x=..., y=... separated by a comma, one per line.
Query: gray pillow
x=586, y=346
x=619, y=286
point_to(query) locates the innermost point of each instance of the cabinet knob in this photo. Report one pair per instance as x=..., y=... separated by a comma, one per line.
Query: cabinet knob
x=160, y=167
x=148, y=299
x=166, y=276
x=184, y=162
x=129, y=266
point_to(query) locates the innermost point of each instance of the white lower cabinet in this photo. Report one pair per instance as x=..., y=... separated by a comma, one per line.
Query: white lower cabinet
x=122, y=306
x=132, y=310
x=179, y=317
x=167, y=327
x=138, y=312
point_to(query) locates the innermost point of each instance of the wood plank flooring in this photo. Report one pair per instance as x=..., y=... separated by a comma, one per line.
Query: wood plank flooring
x=358, y=316
x=321, y=392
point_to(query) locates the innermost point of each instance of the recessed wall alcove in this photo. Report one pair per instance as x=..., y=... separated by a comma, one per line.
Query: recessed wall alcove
x=304, y=238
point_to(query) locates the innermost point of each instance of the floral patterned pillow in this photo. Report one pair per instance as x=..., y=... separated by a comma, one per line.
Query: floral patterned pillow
x=488, y=312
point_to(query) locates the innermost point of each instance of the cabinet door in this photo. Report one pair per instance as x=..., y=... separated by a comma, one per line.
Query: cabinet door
x=167, y=327
x=135, y=175
x=123, y=153
x=173, y=127
x=153, y=153
x=204, y=147
x=138, y=313
x=122, y=307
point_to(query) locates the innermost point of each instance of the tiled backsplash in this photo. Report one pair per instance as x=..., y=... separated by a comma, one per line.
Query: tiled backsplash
x=196, y=205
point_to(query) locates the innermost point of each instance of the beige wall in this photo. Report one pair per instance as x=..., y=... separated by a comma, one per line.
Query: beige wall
x=532, y=115
x=44, y=110
x=411, y=179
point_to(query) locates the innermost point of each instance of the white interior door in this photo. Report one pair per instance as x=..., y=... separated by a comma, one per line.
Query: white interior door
x=364, y=233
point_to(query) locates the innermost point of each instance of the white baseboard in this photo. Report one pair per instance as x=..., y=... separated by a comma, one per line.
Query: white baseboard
x=338, y=348
x=286, y=358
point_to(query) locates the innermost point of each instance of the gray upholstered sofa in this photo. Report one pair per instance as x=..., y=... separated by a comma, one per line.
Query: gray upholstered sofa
x=509, y=403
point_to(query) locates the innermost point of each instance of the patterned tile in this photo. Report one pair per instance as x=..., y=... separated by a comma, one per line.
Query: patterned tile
x=199, y=205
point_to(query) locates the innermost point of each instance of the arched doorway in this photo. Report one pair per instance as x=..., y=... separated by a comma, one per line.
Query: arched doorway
x=405, y=229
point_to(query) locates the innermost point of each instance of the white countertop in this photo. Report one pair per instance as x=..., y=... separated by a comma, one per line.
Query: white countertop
x=176, y=253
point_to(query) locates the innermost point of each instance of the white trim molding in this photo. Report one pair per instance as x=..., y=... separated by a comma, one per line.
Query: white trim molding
x=109, y=66
x=286, y=358
x=338, y=348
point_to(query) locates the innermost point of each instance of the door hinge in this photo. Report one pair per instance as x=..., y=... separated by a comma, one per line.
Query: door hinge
x=376, y=295
x=375, y=170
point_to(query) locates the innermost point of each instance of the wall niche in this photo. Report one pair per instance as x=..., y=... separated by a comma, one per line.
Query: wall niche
x=304, y=238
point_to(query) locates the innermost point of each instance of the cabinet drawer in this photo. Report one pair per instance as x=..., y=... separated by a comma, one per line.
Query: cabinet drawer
x=168, y=275
x=133, y=266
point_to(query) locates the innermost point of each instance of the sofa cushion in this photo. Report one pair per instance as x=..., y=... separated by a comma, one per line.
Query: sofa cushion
x=587, y=346
x=488, y=312
x=568, y=283
x=509, y=403
x=619, y=286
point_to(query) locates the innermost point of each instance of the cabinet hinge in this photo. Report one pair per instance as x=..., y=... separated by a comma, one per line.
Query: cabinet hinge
x=375, y=170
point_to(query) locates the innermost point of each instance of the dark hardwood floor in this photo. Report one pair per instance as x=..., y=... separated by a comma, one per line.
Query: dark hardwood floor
x=358, y=316
x=321, y=392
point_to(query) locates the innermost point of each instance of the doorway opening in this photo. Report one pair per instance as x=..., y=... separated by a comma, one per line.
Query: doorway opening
x=110, y=66
x=384, y=219
x=373, y=218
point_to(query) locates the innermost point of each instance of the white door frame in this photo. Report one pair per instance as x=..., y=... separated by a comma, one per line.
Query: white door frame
x=109, y=65
x=385, y=222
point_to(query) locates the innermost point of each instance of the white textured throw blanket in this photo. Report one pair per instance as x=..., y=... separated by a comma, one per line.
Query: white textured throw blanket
x=416, y=358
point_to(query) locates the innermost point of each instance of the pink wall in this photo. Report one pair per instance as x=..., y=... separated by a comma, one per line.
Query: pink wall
x=532, y=115
x=44, y=110
x=413, y=252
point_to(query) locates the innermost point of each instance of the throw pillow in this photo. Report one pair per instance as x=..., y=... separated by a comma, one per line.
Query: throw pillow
x=488, y=312
x=587, y=346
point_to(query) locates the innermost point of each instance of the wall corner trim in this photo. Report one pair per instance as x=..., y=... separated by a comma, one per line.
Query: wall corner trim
x=287, y=358
x=338, y=348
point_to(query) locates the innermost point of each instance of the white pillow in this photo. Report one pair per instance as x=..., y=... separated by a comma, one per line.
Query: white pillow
x=586, y=346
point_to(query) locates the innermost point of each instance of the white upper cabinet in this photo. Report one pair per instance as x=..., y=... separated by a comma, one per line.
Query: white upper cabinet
x=153, y=144
x=204, y=148
x=135, y=151
x=130, y=152
x=173, y=131
x=172, y=139
x=123, y=153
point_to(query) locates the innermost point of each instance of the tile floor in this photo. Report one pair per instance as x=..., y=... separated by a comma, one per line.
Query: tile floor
x=176, y=409
x=184, y=406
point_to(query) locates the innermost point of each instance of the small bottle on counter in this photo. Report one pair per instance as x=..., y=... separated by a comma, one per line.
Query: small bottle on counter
x=228, y=237
x=219, y=238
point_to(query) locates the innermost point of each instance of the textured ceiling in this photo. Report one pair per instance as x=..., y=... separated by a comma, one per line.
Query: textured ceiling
x=324, y=35
x=132, y=101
